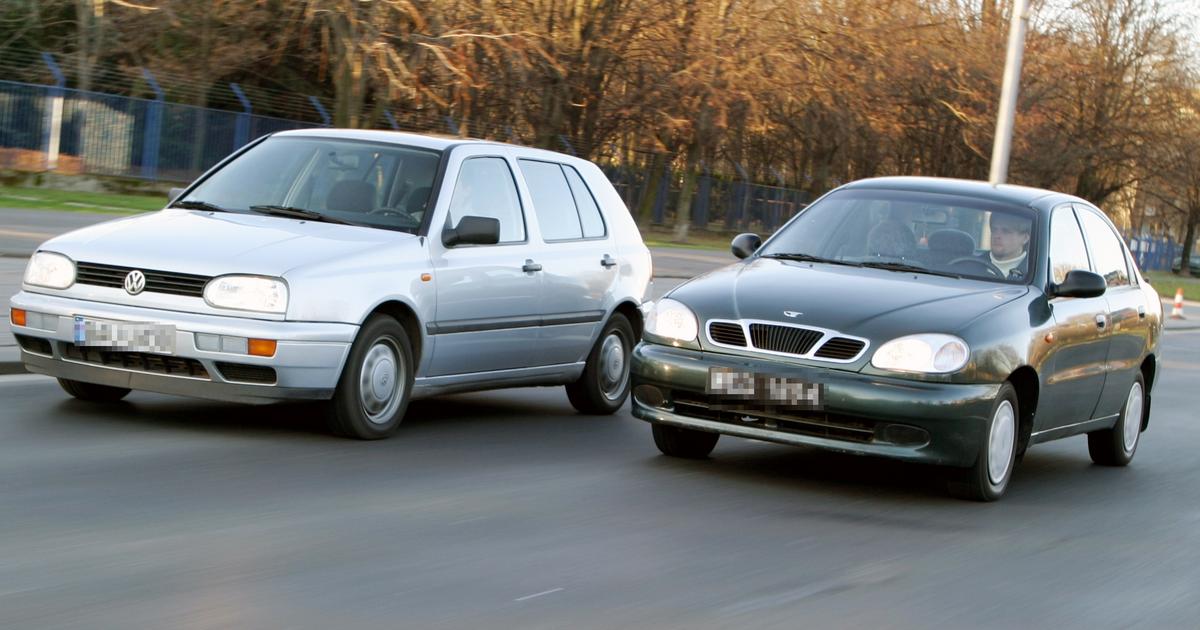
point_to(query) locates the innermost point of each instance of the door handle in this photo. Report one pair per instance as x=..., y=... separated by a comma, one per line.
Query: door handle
x=1101, y=321
x=530, y=266
x=608, y=262
x=1141, y=312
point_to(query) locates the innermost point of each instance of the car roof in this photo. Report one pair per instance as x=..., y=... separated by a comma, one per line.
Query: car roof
x=1008, y=193
x=426, y=141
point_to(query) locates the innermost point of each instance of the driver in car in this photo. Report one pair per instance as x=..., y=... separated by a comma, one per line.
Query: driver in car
x=1009, y=241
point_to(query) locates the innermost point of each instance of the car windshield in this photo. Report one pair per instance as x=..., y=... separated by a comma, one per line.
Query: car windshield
x=908, y=231
x=341, y=181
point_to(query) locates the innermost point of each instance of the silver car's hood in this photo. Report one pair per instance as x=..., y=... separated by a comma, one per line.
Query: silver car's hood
x=211, y=244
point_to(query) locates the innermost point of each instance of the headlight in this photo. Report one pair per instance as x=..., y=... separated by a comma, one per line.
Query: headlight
x=247, y=293
x=672, y=320
x=50, y=270
x=922, y=353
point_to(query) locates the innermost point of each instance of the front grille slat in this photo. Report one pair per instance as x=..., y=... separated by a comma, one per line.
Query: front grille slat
x=840, y=348
x=156, y=281
x=786, y=339
x=727, y=333
x=135, y=361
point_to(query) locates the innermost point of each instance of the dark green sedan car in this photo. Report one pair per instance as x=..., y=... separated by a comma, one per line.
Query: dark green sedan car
x=939, y=321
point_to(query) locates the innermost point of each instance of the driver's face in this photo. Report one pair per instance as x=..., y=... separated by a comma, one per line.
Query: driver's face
x=1010, y=235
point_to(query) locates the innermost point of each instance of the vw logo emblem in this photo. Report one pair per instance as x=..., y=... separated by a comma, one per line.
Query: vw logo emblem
x=135, y=282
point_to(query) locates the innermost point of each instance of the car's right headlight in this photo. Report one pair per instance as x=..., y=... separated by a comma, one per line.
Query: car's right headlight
x=929, y=353
x=672, y=320
x=50, y=270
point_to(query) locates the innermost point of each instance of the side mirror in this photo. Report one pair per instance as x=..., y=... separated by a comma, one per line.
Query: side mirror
x=473, y=231
x=745, y=244
x=174, y=193
x=1080, y=284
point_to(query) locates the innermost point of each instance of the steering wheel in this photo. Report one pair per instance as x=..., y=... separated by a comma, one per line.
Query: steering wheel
x=392, y=212
x=988, y=267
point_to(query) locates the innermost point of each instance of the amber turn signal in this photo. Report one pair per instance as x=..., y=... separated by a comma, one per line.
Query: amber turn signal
x=17, y=317
x=262, y=347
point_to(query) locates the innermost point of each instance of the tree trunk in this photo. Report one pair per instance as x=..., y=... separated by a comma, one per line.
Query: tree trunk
x=658, y=164
x=1189, y=237
x=683, y=209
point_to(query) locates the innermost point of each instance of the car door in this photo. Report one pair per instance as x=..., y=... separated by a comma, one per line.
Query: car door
x=488, y=296
x=1076, y=366
x=578, y=263
x=1129, y=328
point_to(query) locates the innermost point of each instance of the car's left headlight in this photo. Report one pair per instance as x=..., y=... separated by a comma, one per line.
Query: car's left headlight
x=247, y=293
x=931, y=353
x=50, y=270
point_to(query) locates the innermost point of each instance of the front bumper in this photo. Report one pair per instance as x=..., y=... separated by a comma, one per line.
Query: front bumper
x=307, y=362
x=936, y=423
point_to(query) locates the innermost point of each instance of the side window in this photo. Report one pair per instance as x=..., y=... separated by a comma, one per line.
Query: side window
x=589, y=212
x=551, y=200
x=485, y=188
x=1067, y=251
x=1107, y=253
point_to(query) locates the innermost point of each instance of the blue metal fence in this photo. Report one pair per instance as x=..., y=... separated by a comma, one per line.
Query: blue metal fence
x=105, y=134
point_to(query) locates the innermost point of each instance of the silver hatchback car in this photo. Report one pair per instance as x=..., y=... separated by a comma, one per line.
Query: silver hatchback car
x=366, y=268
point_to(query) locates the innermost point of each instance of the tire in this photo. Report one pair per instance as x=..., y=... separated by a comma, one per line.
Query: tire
x=685, y=443
x=988, y=479
x=376, y=383
x=1117, y=446
x=604, y=385
x=92, y=392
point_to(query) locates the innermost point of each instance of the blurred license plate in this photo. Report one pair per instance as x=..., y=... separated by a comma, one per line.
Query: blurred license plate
x=125, y=336
x=740, y=386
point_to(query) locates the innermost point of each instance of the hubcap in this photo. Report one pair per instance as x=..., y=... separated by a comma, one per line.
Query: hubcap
x=380, y=379
x=1001, y=443
x=1133, y=417
x=613, y=374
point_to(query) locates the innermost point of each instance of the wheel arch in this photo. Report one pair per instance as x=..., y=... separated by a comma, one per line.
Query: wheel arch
x=407, y=317
x=1025, y=381
x=634, y=314
x=1149, y=371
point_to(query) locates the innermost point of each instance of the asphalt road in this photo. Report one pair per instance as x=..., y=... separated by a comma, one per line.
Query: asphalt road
x=507, y=510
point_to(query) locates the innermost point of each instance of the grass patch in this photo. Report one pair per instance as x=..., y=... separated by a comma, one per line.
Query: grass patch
x=69, y=201
x=697, y=239
x=1166, y=283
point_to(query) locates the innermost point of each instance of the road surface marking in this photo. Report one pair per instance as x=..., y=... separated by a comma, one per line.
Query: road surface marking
x=21, y=234
x=553, y=590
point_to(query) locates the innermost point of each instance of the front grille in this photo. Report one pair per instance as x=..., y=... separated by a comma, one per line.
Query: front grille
x=786, y=339
x=727, y=333
x=34, y=344
x=840, y=348
x=246, y=373
x=799, y=422
x=135, y=361
x=156, y=281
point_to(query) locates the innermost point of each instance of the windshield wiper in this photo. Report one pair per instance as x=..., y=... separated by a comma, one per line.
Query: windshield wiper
x=899, y=266
x=298, y=213
x=192, y=204
x=811, y=258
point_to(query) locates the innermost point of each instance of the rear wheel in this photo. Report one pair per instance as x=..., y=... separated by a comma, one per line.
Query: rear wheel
x=988, y=478
x=685, y=443
x=1116, y=446
x=373, y=392
x=604, y=384
x=92, y=392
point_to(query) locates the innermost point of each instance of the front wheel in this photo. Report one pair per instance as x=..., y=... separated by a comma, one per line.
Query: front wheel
x=373, y=391
x=1116, y=446
x=92, y=392
x=988, y=478
x=604, y=384
x=685, y=443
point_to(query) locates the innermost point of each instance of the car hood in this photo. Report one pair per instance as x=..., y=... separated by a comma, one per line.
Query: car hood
x=871, y=303
x=216, y=243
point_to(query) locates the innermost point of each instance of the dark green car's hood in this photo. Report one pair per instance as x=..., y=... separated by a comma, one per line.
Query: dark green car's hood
x=872, y=303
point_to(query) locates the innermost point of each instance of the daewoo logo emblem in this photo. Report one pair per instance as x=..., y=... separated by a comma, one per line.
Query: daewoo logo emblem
x=135, y=282
x=792, y=313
